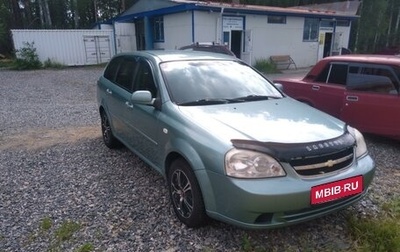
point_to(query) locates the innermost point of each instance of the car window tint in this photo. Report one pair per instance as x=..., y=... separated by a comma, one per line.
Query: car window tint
x=381, y=72
x=397, y=74
x=354, y=69
x=323, y=76
x=125, y=74
x=144, y=79
x=189, y=81
x=112, y=68
x=372, y=79
x=338, y=74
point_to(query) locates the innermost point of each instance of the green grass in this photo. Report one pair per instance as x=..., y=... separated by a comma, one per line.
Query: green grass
x=87, y=247
x=248, y=246
x=48, y=64
x=265, y=66
x=46, y=224
x=56, y=235
x=66, y=231
x=53, y=64
x=378, y=234
x=6, y=63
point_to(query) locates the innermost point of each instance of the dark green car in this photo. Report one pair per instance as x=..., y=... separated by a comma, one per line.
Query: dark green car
x=230, y=144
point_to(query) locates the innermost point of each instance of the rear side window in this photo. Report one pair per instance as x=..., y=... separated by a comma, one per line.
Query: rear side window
x=125, y=73
x=120, y=71
x=338, y=74
x=112, y=68
x=372, y=78
x=334, y=73
x=144, y=79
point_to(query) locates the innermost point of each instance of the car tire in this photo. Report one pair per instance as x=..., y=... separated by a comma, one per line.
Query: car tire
x=185, y=194
x=108, y=136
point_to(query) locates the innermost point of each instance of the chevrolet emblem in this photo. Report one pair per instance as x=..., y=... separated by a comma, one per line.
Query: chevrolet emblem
x=330, y=163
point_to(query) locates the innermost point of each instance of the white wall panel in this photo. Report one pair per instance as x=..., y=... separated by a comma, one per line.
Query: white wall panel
x=281, y=39
x=177, y=31
x=267, y=39
x=65, y=46
x=206, y=27
x=125, y=37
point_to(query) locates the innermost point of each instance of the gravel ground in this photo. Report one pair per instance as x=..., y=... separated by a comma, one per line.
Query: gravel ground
x=56, y=171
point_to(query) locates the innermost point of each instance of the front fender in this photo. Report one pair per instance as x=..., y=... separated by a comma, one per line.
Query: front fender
x=180, y=147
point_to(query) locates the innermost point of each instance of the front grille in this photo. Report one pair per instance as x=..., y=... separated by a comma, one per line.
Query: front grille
x=323, y=164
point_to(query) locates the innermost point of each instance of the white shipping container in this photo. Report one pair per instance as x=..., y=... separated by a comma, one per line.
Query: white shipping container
x=68, y=47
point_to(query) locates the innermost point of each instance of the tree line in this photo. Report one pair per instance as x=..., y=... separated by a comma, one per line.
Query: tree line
x=377, y=27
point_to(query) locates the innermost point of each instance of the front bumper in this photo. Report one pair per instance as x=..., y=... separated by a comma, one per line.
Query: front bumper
x=276, y=202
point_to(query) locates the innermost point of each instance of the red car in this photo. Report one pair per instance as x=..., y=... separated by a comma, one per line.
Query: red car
x=362, y=90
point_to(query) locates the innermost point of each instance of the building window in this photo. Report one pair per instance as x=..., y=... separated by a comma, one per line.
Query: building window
x=333, y=23
x=276, y=19
x=327, y=23
x=311, y=27
x=158, y=26
x=226, y=38
x=344, y=23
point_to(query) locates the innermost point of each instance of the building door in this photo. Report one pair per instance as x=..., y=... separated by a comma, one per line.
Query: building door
x=236, y=43
x=328, y=44
x=97, y=49
x=233, y=27
x=247, y=46
x=125, y=43
x=324, y=43
x=140, y=36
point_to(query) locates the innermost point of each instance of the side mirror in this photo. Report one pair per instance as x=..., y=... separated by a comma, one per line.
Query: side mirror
x=279, y=86
x=142, y=97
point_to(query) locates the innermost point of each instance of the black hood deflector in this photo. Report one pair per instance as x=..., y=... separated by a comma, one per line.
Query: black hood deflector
x=289, y=151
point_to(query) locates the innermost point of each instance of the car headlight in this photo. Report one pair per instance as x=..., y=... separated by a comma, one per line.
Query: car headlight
x=252, y=164
x=361, y=146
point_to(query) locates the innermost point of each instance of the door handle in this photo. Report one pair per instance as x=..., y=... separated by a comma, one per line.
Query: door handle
x=108, y=91
x=129, y=105
x=315, y=87
x=352, y=98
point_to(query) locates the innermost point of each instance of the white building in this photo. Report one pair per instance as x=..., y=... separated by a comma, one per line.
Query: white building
x=252, y=32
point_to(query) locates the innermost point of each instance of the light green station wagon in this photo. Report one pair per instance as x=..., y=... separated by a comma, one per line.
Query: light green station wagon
x=230, y=144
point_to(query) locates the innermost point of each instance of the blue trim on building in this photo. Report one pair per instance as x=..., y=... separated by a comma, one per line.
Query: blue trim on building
x=233, y=11
x=159, y=12
x=148, y=35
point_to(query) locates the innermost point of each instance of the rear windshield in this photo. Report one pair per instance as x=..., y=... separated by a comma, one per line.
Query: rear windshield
x=196, y=80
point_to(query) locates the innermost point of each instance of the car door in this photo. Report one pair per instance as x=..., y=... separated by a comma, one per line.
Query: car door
x=327, y=91
x=372, y=102
x=117, y=87
x=143, y=119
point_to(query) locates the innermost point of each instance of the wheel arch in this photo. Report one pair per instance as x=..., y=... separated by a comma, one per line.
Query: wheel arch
x=101, y=109
x=196, y=164
x=180, y=148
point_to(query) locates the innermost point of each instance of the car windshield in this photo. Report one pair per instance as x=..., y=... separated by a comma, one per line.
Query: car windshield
x=215, y=82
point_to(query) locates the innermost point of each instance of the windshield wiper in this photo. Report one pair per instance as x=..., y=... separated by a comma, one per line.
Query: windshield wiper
x=206, y=101
x=253, y=98
x=213, y=101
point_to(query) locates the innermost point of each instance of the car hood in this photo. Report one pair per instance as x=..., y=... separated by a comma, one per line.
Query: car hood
x=276, y=120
